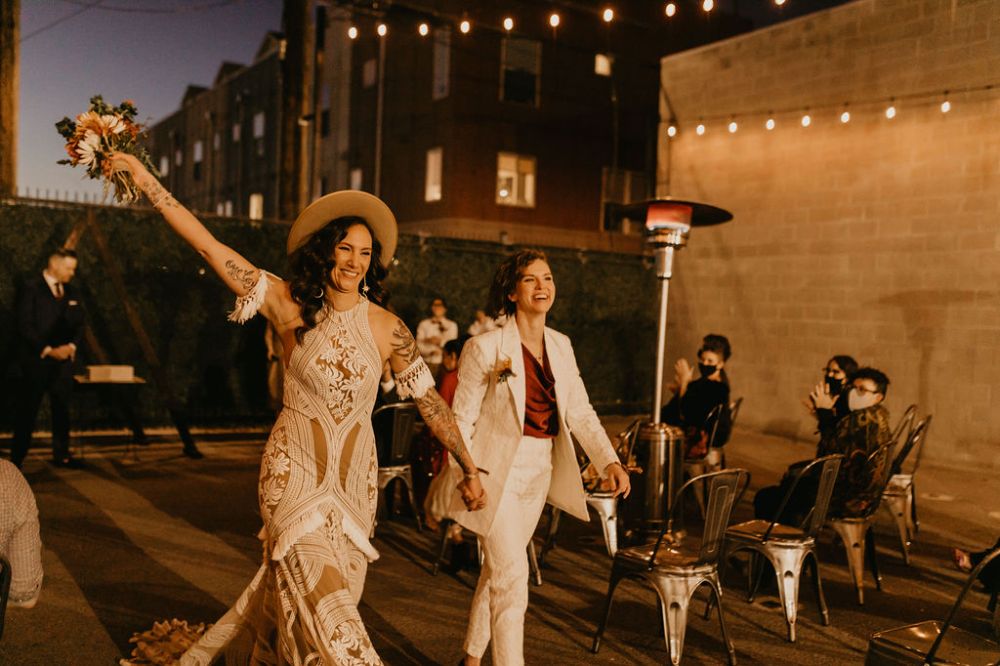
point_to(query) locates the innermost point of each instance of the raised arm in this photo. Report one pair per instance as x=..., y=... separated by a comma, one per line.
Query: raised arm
x=238, y=273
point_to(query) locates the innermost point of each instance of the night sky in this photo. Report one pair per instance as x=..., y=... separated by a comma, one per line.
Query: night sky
x=150, y=51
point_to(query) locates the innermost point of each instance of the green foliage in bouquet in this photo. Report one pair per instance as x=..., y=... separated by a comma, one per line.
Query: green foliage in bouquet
x=95, y=134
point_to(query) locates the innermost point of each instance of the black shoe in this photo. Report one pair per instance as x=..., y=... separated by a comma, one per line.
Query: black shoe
x=69, y=462
x=193, y=453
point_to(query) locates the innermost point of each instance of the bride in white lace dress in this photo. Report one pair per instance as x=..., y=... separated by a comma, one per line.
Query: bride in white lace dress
x=317, y=489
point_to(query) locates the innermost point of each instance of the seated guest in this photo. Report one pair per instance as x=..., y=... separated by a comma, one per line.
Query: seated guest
x=20, y=542
x=694, y=399
x=857, y=436
x=433, y=332
x=440, y=491
x=836, y=383
x=483, y=324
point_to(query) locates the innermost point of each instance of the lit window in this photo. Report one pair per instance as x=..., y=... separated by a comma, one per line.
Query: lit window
x=442, y=63
x=178, y=157
x=164, y=165
x=220, y=208
x=236, y=132
x=355, y=178
x=515, y=180
x=520, y=63
x=432, y=183
x=199, y=151
x=602, y=65
x=256, y=206
x=258, y=125
x=368, y=73
x=227, y=209
x=216, y=141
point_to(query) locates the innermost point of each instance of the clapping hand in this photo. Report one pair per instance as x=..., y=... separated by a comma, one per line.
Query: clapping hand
x=821, y=397
x=683, y=373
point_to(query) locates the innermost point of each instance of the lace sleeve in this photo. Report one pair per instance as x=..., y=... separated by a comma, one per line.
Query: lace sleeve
x=248, y=305
x=415, y=380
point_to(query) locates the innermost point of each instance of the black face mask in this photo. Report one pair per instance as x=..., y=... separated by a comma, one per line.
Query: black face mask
x=834, y=385
x=707, y=370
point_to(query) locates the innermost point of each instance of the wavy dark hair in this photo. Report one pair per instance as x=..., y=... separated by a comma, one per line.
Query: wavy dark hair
x=719, y=344
x=505, y=281
x=311, y=265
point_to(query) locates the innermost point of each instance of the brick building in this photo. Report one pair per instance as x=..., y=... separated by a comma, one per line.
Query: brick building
x=876, y=238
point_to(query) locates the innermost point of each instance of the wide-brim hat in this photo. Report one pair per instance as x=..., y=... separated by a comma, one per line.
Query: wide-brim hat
x=347, y=203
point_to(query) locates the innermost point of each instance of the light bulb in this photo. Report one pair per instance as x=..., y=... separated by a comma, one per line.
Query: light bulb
x=465, y=27
x=670, y=9
x=733, y=127
x=890, y=112
x=609, y=15
x=779, y=2
x=945, y=106
x=708, y=5
x=382, y=29
x=352, y=32
x=554, y=20
x=700, y=129
x=508, y=24
x=845, y=117
x=423, y=29
x=769, y=124
x=806, y=120
x=672, y=131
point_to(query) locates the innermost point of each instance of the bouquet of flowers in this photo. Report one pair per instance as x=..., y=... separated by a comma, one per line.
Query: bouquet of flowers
x=95, y=134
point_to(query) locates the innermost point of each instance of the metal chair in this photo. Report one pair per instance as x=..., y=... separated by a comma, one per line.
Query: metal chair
x=905, y=423
x=395, y=425
x=5, y=575
x=536, y=572
x=714, y=460
x=932, y=641
x=859, y=538
x=900, y=494
x=786, y=547
x=677, y=569
x=734, y=410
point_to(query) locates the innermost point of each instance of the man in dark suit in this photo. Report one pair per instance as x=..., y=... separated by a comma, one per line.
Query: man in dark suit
x=50, y=325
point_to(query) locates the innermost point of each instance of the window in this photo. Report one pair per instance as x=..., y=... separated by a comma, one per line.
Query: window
x=178, y=157
x=432, y=181
x=442, y=63
x=256, y=206
x=236, y=132
x=220, y=208
x=199, y=150
x=216, y=141
x=515, y=180
x=164, y=165
x=520, y=63
x=368, y=73
x=258, y=125
x=227, y=208
x=355, y=179
x=602, y=64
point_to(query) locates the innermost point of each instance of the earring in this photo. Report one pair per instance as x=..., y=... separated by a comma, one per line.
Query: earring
x=320, y=294
x=364, y=285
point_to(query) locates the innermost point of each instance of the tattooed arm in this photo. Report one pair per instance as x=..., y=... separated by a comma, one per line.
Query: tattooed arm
x=238, y=273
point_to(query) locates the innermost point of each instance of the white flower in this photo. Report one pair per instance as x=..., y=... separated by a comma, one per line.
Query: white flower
x=88, y=148
x=113, y=123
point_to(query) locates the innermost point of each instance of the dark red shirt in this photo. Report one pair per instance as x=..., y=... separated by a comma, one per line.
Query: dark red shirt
x=541, y=418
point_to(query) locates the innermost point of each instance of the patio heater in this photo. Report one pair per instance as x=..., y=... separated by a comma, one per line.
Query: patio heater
x=658, y=448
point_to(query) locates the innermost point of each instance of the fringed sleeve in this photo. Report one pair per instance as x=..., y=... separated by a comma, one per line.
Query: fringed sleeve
x=248, y=305
x=415, y=380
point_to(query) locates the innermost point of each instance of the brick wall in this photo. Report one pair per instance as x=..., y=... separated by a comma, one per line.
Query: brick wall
x=877, y=238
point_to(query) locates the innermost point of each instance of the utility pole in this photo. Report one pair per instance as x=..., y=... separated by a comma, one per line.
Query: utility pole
x=10, y=13
x=296, y=107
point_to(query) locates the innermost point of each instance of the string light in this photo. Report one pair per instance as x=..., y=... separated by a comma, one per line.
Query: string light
x=508, y=24
x=806, y=120
x=708, y=5
x=672, y=131
x=670, y=9
x=700, y=129
x=779, y=2
x=352, y=33
x=423, y=29
x=769, y=125
x=733, y=127
x=845, y=117
x=890, y=111
x=609, y=15
x=945, y=105
x=382, y=29
x=554, y=20
x=465, y=26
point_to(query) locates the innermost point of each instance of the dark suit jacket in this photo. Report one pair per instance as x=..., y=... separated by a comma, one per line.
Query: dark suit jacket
x=45, y=321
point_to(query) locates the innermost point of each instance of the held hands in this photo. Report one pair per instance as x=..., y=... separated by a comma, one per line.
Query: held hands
x=62, y=353
x=473, y=493
x=618, y=479
x=821, y=397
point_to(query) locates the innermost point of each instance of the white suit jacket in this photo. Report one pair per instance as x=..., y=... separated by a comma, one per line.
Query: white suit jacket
x=490, y=414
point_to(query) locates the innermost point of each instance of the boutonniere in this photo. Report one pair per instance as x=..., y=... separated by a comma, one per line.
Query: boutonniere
x=502, y=371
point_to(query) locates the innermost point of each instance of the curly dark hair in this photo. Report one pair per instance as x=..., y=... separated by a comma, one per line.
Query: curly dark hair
x=311, y=265
x=505, y=281
x=845, y=363
x=878, y=377
x=719, y=344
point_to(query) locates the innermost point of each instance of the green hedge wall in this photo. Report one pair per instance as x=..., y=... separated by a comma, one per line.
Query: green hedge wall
x=605, y=303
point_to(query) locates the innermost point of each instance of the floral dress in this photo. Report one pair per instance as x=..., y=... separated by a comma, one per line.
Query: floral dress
x=317, y=494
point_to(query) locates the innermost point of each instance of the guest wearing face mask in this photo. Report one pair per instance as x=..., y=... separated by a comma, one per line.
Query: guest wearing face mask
x=836, y=383
x=857, y=436
x=694, y=399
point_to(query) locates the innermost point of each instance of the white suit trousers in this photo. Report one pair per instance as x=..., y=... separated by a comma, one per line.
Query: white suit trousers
x=501, y=597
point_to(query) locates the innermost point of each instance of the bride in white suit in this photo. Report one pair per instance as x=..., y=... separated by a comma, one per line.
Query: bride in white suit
x=519, y=397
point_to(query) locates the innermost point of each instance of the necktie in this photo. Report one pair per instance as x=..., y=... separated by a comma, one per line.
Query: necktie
x=59, y=290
